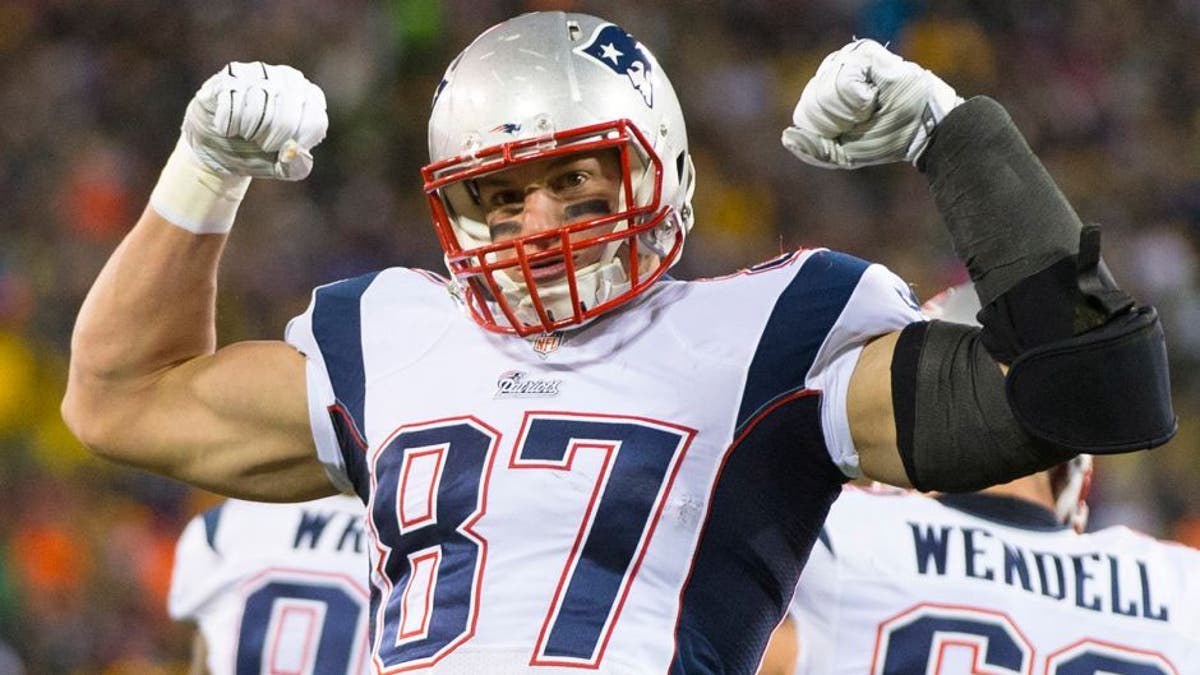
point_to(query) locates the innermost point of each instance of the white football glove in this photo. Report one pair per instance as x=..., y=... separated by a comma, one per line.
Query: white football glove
x=866, y=105
x=255, y=119
x=249, y=120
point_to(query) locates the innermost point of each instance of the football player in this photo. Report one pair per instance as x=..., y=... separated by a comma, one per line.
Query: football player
x=570, y=459
x=275, y=588
x=998, y=581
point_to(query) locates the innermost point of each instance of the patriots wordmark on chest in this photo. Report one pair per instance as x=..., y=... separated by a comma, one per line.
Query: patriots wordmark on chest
x=517, y=384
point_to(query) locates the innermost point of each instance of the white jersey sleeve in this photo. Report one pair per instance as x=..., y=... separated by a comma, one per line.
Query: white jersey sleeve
x=881, y=303
x=332, y=328
x=322, y=403
x=193, y=580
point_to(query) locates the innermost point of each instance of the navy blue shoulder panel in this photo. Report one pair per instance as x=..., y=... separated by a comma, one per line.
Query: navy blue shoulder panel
x=337, y=327
x=766, y=511
x=212, y=518
x=775, y=487
x=802, y=317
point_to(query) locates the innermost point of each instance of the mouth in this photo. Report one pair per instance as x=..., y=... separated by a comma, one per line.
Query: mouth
x=549, y=269
x=553, y=268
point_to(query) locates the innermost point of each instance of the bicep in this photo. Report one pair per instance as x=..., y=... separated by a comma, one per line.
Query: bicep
x=872, y=415
x=234, y=422
x=937, y=384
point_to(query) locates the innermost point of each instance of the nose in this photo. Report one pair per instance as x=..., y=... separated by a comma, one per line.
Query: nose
x=541, y=212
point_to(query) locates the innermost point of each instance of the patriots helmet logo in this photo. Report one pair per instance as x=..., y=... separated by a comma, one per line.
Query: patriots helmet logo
x=620, y=53
x=449, y=75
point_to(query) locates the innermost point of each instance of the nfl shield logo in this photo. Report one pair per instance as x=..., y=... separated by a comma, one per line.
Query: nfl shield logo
x=547, y=343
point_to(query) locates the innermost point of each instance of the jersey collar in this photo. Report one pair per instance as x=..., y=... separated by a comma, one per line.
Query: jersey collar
x=1004, y=510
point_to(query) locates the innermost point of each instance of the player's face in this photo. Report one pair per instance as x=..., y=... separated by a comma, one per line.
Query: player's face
x=546, y=195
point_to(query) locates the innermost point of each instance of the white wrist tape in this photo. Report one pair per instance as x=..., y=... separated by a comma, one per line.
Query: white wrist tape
x=194, y=197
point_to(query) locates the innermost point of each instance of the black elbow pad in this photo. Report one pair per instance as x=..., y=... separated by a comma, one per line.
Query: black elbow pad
x=1102, y=392
x=954, y=427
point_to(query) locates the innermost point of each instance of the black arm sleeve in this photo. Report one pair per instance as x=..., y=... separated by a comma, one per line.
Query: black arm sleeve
x=1006, y=215
x=1089, y=368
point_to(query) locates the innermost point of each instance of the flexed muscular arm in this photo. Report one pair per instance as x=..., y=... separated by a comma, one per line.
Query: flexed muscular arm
x=147, y=385
x=1086, y=367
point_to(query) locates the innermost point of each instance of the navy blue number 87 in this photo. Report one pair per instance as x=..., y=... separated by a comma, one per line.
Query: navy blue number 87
x=436, y=560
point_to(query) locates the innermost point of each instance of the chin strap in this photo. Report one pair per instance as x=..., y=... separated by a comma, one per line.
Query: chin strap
x=595, y=284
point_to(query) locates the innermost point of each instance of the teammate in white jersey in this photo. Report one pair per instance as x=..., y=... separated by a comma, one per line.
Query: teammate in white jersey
x=990, y=582
x=275, y=588
x=997, y=581
x=569, y=459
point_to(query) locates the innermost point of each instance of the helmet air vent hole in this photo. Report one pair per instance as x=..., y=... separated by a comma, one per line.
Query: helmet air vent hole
x=573, y=31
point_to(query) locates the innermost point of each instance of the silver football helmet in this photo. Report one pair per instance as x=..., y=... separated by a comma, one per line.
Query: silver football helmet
x=545, y=85
x=1069, y=481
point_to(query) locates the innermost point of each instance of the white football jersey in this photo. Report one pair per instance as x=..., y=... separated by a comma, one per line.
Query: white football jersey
x=901, y=583
x=276, y=588
x=633, y=496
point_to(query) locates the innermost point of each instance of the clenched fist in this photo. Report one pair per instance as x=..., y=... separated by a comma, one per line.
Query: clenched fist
x=255, y=119
x=866, y=105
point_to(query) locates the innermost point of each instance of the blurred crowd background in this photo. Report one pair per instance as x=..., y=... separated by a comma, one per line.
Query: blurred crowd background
x=92, y=93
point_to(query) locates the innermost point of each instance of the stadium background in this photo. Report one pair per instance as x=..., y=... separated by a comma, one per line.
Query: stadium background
x=92, y=92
